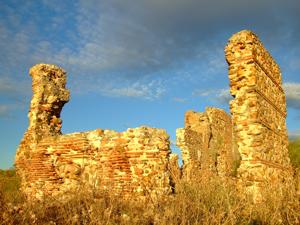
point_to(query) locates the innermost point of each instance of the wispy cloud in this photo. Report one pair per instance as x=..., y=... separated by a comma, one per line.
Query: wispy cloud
x=13, y=95
x=4, y=110
x=219, y=95
x=93, y=38
x=10, y=86
x=179, y=100
x=149, y=91
x=292, y=92
x=8, y=110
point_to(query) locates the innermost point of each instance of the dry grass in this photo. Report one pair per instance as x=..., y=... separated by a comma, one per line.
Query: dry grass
x=9, y=187
x=207, y=201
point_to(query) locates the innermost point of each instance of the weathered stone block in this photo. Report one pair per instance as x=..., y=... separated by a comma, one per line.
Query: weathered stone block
x=206, y=143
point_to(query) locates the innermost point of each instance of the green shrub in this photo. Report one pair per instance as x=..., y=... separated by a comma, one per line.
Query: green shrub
x=294, y=152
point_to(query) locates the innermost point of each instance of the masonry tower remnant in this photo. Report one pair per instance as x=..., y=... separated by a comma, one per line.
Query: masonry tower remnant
x=258, y=112
x=49, y=97
x=50, y=163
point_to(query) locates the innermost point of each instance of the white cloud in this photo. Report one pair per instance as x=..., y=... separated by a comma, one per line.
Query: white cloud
x=6, y=85
x=7, y=110
x=131, y=40
x=150, y=91
x=4, y=109
x=203, y=93
x=294, y=134
x=13, y=86
x=292, y=92
x=220, y=95
x=224, y=95
x=15, y=95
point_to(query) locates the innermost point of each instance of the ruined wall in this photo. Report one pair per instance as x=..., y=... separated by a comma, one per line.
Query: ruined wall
x=52, y=164
x=206, y=143
x=258, y=112
x=138, y=160
x=132, y=161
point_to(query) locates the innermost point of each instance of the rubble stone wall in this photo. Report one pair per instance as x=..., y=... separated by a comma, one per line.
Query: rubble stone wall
x=50, y=163
x=258, y=112
x=206, y=143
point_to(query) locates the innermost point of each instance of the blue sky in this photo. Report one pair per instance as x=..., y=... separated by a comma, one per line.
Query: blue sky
x=133, y=63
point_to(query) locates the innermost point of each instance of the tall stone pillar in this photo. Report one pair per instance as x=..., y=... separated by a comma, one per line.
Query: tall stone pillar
x=258, y=112
x=49, y=96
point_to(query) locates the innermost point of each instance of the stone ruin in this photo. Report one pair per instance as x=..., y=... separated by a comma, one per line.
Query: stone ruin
x=206, y=143
x=50, y=163
x=252, y=145
x=258, y=113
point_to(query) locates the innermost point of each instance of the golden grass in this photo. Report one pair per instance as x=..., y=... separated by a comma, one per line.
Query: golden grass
x=9, y=186
x=208, y=200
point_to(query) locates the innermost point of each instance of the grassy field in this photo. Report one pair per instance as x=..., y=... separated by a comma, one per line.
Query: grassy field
x=209, y=200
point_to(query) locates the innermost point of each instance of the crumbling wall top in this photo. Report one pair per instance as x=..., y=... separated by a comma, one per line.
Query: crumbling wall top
x=245, y=48
x=48, y=84
x=49, y=96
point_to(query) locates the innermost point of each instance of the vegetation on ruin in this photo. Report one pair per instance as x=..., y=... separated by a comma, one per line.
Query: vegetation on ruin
x=208, y=200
